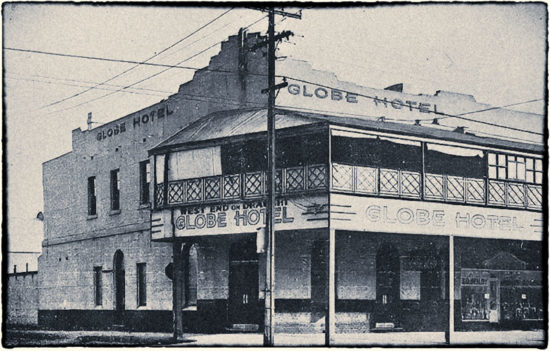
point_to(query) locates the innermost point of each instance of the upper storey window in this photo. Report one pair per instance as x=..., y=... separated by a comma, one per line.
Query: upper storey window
x=92, y=211
x=145, y=181
x=115, y=190
x=518, y=168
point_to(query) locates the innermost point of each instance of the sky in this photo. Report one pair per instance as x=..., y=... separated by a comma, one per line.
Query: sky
x=495, y=52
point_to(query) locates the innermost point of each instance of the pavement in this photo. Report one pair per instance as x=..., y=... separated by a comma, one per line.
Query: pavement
x=20, y=337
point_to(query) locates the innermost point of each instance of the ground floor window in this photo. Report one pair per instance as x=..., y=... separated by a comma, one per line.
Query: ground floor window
x=500, y=283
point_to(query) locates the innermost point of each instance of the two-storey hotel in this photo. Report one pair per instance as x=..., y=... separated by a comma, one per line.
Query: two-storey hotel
x=391, y=214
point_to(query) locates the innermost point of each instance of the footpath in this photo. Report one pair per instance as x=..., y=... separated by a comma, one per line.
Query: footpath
x=26, y=337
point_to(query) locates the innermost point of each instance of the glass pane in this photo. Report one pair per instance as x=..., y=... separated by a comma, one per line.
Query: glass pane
x=538, y=177
x=521, y=171
x=521, y=160
x=502, y=173
x=492, y=172
x=492, y=159
x=512, y=170
x=538, y=165
x=502, y=160
x=529, y=163
x=529, y=176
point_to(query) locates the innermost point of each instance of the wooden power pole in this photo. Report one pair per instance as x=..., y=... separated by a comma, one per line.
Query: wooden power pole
x=270, y=229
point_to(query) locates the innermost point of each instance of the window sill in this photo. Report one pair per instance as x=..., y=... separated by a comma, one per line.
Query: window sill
x=145, y=206
x=114, y=212
x=189, y=308
x=91, y=217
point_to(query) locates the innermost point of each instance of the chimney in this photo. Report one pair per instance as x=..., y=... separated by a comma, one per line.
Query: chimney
x=89, y=121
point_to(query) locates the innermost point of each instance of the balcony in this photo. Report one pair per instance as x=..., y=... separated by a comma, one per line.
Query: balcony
x=436, y=187
x=242, y=186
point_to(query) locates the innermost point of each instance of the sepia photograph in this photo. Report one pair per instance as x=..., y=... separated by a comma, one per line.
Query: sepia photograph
x=255, y=175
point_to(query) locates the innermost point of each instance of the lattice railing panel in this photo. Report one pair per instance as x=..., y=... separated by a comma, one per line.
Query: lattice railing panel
x=231, y=186
x=175, y=192
x=534, y=196
x=455, y=188
x=194, y=189
x=366, y=180
x=342, y=177
x=389, y=181
x=212, y=188
x=316, y=177
x=159, y=194
x=253, y=184
x=475, y=190
x=516, y=194
x=434, y=186
x=295, y=179
x=410, y=184
x=497, y=193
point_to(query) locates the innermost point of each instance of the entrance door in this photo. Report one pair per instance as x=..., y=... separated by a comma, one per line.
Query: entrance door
x=120, y=282
x=494, y=301
x=386, y=312
x=243, y=284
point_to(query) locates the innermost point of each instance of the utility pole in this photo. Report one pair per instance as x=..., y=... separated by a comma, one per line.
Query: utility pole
x=270, y=254
x=269, y=295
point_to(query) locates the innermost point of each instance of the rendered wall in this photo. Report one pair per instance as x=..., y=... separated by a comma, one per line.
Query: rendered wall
x=22, y=307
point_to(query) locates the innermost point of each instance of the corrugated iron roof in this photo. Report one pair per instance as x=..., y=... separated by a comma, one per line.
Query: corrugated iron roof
x=231, y=123
x=241, y=122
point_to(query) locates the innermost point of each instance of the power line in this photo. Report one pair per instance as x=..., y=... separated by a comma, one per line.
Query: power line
x=137, y=65
x=168, y=68
x=79, y=85
x=415, y=107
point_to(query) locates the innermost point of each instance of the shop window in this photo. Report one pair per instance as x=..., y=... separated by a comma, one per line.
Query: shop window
x=144, y=181
x=115, y=190
x=92, y=210
x=190, y=278
x=98, y=286
x=141, y=284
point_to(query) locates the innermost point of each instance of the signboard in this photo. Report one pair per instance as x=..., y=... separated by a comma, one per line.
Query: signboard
x=240, y=217
x=429, y=218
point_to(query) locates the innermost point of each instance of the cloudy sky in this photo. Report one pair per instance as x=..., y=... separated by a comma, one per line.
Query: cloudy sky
x=494, y=52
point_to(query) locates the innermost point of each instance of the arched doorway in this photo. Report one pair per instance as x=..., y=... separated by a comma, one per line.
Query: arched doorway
x=119, y=284
x=388, y=270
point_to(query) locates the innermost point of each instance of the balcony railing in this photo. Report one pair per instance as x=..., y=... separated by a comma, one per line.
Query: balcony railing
x=438, y=187
x=242, y=186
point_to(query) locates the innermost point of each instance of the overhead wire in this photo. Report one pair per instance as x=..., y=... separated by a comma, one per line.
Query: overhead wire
x=177, y=65
x=82, y=86
x=146, y=60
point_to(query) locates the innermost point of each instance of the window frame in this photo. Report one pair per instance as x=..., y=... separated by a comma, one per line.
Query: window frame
x=515, y=168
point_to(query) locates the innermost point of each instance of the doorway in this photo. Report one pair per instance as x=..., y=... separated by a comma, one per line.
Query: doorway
x=388, y=270
x=243, y=283
x=120, y=283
